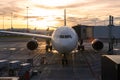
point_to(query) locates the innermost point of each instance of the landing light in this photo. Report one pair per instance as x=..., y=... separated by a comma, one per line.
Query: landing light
x=116, y=49
x=12, y=49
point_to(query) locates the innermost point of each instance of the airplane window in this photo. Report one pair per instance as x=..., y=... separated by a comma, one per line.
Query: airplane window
x=61, y=36
x=65, y=36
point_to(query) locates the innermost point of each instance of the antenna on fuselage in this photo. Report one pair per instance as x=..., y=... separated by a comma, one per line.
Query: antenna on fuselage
x=64, y=17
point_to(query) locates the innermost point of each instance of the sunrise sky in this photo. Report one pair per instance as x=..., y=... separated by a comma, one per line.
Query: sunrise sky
x=46, y=13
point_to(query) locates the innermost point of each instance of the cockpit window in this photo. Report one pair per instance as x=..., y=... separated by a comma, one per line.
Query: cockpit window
x=65, y=36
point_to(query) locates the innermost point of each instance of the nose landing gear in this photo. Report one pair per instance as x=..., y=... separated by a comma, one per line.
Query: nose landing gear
x=64, y=59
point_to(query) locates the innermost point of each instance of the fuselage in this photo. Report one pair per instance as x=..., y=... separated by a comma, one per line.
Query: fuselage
x=64, y=39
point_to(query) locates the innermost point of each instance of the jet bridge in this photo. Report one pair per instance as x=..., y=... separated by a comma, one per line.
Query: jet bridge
x=96, y=32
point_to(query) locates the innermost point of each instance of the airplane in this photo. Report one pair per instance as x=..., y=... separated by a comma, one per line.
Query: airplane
x=64, y=39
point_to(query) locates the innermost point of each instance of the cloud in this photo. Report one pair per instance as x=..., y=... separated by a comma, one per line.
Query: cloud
x=71, y=21
x=109, y=3
x=34, y=17
x=95, y=9
x=117, y=18
x=7, y=7
x=74, y=5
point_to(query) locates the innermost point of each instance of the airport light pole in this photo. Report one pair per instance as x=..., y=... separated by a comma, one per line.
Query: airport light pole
x=3, y=21
x=27, y=18
x=11, y=21
x=111, y=38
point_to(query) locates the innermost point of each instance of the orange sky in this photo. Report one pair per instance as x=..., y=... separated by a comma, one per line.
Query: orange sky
x=45, y=13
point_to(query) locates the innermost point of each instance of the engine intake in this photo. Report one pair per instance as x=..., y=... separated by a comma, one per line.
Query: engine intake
x=97, y=45
x=32, y=45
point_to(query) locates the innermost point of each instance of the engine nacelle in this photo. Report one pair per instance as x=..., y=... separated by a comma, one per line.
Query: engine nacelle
x=32, y=45
x=97, y=45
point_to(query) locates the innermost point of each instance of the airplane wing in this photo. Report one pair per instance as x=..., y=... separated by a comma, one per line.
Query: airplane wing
x=27, y=34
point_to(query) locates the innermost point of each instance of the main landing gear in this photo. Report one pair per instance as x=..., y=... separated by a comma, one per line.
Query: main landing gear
x=81, y=46
x=48, y=46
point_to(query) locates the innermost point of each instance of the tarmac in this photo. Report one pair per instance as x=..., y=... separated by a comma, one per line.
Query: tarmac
x=82, y=65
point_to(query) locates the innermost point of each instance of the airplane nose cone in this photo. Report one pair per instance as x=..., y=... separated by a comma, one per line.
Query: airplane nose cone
x=63, y=48
x=64, y=39
x=66, y=47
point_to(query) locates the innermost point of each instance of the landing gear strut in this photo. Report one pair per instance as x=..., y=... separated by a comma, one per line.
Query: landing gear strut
x=81, y=46
x=48, y=46
x=64, y=59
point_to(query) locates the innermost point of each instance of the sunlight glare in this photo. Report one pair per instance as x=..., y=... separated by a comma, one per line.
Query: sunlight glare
x=45, y=23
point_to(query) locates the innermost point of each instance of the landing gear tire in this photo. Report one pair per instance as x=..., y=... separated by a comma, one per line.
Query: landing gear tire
x=48, y=48
x=51, y=48
x=81, y=48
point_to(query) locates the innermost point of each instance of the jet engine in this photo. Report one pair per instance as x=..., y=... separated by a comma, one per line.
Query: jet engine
x=32, y=45
x=97, y=45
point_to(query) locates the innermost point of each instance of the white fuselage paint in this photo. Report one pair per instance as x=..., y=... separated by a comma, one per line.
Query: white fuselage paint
x=64, y=39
